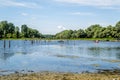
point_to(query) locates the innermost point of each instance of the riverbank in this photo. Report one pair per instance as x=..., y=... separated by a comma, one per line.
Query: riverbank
x=91, y=39
x=61, y=76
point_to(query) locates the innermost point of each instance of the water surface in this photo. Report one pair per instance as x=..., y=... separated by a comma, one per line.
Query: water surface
x=61, y=56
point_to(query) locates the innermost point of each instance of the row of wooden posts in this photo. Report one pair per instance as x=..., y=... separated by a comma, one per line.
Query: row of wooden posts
x=9, y=44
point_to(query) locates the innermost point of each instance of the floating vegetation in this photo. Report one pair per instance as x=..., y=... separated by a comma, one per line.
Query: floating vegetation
x=113, y=61
x=3, y=71
x=67, y=56
x=96, y=65
x=104, y=48
x=109, y=71
x=60, y=41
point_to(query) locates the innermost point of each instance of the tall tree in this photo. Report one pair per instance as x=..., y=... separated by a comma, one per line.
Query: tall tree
x=117, y=26
x=5, y=27
x=24, y=31
x=80, y=33
x=17, y=33
x=11, y=29
x=93, y=30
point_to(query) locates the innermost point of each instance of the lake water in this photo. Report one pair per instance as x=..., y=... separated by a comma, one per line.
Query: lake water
x=68, y=56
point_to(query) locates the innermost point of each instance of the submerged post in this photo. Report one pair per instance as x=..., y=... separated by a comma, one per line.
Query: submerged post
x=32, y=42
x=74, y=42
x=9, y=44
x=4, y=44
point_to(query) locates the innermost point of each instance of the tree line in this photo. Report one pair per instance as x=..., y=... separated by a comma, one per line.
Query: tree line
x=9, y=30
x=93, y=31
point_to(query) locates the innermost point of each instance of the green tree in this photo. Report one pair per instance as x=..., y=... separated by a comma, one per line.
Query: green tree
x=17, y=32
x=66, y=34
x=93, y=30
x=4, y=27
x=101, y=33
x=80, y=33
x=117, y=26
x=74, y=35
x=11, y=29
x=24, y=31
x=1, y=31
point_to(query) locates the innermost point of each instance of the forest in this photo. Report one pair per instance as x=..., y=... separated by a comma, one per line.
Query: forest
x=9, y=30
x=93, y=31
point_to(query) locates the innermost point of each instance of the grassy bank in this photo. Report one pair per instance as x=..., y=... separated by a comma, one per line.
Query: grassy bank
x=60, y=76
x=101, y=39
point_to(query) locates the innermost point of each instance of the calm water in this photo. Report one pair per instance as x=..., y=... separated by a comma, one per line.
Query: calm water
x=67, y=56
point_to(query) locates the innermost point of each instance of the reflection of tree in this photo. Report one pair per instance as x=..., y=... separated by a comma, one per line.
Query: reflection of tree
x=106, y=51
x=6, y=52
x=118, y=55
x=95, y=51
x=6, y=55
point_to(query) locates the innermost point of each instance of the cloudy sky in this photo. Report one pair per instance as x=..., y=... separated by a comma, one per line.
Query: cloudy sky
x=52, y=16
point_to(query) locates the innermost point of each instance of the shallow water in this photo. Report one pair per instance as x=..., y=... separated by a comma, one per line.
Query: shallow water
x=62, y=56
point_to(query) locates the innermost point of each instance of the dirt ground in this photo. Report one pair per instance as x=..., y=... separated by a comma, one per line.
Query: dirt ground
x=60, y=76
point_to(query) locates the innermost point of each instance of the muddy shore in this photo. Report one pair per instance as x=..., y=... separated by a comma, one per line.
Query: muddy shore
x=102, y=75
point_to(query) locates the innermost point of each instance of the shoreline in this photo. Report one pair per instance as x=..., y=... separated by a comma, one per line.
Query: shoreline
x=89, y=39
x=46, y=75
x=60, y=76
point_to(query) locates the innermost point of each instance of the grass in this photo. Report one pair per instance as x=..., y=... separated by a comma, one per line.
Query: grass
x=101, y=39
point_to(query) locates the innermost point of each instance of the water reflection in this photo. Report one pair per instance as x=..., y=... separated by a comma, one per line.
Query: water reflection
x=104, y=48
x=10, y=48
x=118, y=55
x=67, y=56
x=66, y=47
x=105, y=51
x=5, y=56
x=58, y=55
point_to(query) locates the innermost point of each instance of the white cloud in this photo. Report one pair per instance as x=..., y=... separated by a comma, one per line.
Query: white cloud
x=99, y=3
x=24, y=14
x=61, y=27
x=18, y=4
x=110, y=8
x=82, y=13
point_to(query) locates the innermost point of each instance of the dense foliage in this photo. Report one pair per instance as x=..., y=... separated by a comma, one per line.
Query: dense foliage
x=9, y=30
x=94, y=31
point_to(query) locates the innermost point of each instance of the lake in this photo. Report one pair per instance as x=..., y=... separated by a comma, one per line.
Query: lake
x=58, y=56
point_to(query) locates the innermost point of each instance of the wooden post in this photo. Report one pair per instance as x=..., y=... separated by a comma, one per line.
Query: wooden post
x=9, y=44
x=4, y=44
x=32, y=42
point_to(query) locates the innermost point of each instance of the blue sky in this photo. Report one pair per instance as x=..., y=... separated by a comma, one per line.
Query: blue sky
x=52, y=16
